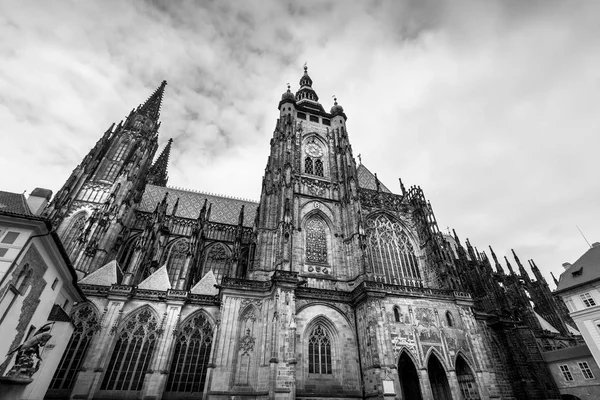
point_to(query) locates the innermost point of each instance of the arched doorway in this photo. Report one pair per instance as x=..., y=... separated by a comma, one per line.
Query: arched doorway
x=438, y=379
x=409, y=379
x=466, y=380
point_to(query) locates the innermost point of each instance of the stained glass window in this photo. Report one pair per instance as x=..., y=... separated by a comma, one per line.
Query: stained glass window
x=177, y=256
x=318, y=167
x=391, y=253
x=191, y=356
x=75, y=228
x=86, y=324
x=308, y=165
x=319, y=352
x=218, y=259
x=316, y=240
x=132, y=353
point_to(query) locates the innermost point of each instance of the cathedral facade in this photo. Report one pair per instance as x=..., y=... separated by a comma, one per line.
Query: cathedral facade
x=331, y=286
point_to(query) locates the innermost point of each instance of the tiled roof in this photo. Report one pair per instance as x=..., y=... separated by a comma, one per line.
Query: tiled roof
x=366, y=179
x=586, y=269
x=225, y=210
x=104, y=276
x=14, y=203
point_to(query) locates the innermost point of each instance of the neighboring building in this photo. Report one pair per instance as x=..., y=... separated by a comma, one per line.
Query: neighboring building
x=579, y=288
x=37, y=284
x=330, y=286
x=575, y=372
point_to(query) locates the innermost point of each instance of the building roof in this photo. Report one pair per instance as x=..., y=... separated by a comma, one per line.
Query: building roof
x=366, y=179
x=225, y=210
x=106, y=275
x=14, y=203
x=545, y=324
x=585, y=270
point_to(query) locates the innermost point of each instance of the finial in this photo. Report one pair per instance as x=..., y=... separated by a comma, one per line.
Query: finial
x=334, y=100
x=288, y=86
x=359, y=158
x=305, y=67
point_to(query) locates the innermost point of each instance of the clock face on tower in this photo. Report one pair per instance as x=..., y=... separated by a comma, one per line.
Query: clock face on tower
x=313, y=150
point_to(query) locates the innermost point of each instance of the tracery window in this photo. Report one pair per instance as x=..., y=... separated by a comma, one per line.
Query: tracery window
x=316, y=240
x=86, y=324
x=318, y=167
x=120, y=151
x=308, y=165
x=176, y=261
x=75, y=228
x=218, y=259
x=191, y=356
x=110, y=172
x=319, y=352
x=132, y=353
x=391, y=253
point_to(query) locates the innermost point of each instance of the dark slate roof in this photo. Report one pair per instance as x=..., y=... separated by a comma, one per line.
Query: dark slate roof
x=585, y=270
x=14, y=203
x=366, y=179
x=225, y=210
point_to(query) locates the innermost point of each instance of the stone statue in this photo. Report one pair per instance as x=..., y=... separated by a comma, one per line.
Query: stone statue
x=28, y=353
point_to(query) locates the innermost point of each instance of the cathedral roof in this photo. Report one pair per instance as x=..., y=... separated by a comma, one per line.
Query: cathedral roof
x=14, y=203
x=366, y=179
x=106, y=275
x=225, y=210
x=583, y=271
x=159, y=280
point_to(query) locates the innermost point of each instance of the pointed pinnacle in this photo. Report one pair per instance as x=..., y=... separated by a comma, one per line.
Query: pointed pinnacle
x=151, y=108
x=512, y=272
x=554, y=278
x=158, y=174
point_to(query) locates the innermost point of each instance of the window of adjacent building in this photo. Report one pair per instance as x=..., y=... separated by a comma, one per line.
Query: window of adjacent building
x=3, y=252
x=319, y=352
x=585, y=370
x=7, y=301
x=301, y=115
x=566, y=372
x=314, y=118
x=54, y=283
x=587, y=299
x=10, y=237
x=326, y=122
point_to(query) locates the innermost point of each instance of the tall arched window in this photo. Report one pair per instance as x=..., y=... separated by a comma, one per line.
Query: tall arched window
x=316, y=240
x=318, y=167
x=120, y=152
x=191, y=357
x=86, y=324
x=319, y=351
x=396, y=314
x=218, y=259
x=176, y=261
x=69, y=237
x=132, y=353
x=127, y=253
x=308, y=165
x=391, y=253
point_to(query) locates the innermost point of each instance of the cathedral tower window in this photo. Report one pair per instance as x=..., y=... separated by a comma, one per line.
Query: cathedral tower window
x=74, y=230
x=318, y=167
x=391, y=252
x=449, y=319
x=316, y=240
x=396, y=314
x=319, y=352
x=191, y=356
x=217, y=260
x=120, y=152
x=308, y=165
x=176, y=260
x=132, y=353
x=86, y=324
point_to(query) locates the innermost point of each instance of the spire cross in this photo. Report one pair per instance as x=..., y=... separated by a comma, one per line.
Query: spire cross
x=359, y=158
x=305, y=67
x=334, y=99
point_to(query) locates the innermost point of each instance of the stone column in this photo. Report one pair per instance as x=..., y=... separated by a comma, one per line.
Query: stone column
x=425, y=385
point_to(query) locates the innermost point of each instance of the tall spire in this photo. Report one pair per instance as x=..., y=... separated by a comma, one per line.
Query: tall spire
x=306, y=95
x=151, y=108
x=157, y=174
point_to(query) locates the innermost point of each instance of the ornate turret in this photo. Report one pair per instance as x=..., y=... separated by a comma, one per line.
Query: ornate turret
x=306, y=95
x=157, y=174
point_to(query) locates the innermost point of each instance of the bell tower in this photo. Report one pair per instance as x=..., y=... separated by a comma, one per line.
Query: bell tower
x=93, y=210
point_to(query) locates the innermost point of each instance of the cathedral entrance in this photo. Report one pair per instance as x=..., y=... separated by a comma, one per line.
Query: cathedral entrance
x=438, y=379
x=466, y=380
x=409, y=379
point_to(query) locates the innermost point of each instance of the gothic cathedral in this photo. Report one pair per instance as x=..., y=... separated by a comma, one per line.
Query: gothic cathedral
x=331, y=286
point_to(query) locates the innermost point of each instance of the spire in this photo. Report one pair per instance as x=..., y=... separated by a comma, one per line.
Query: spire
x=536, y=271
x=306, y=95
x=497, y=264
x=512, y=272
x=522, y=270
x=157, y=174
x=554, y=278
x=151, y=108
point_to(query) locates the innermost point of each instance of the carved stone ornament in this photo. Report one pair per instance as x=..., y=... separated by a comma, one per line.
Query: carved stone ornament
x=246, y=343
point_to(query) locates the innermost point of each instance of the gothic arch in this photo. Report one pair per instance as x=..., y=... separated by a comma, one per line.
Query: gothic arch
x=438, y=376
x=216, y=257
x=435, y=352
x=410, y=382
x=318, y=243
x=312, y=138
x=132, y=351
x=320, y=344
x=126, y=252
x=467, y=380
x=191, y=354
x=175, y=258
x=322, y=303
x=74, y=227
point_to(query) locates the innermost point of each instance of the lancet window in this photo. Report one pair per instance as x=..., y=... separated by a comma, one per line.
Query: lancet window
x=308, y=165
x=74, y=230
x=176, y=261
x=316, y=240
x=86, y=324
x=391, y=253
x=217, y=260
x=318, y=167
x=120, y=152
x=132, y=353
x=191, y=356
x=319, y=351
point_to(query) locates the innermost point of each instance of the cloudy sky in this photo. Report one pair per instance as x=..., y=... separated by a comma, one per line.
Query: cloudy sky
x=490, y=106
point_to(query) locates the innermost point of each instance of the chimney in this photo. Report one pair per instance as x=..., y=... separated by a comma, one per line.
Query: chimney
x=38, y=199
x=566, y=265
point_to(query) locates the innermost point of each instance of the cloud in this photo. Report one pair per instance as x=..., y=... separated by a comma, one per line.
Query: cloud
x=489, y=106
